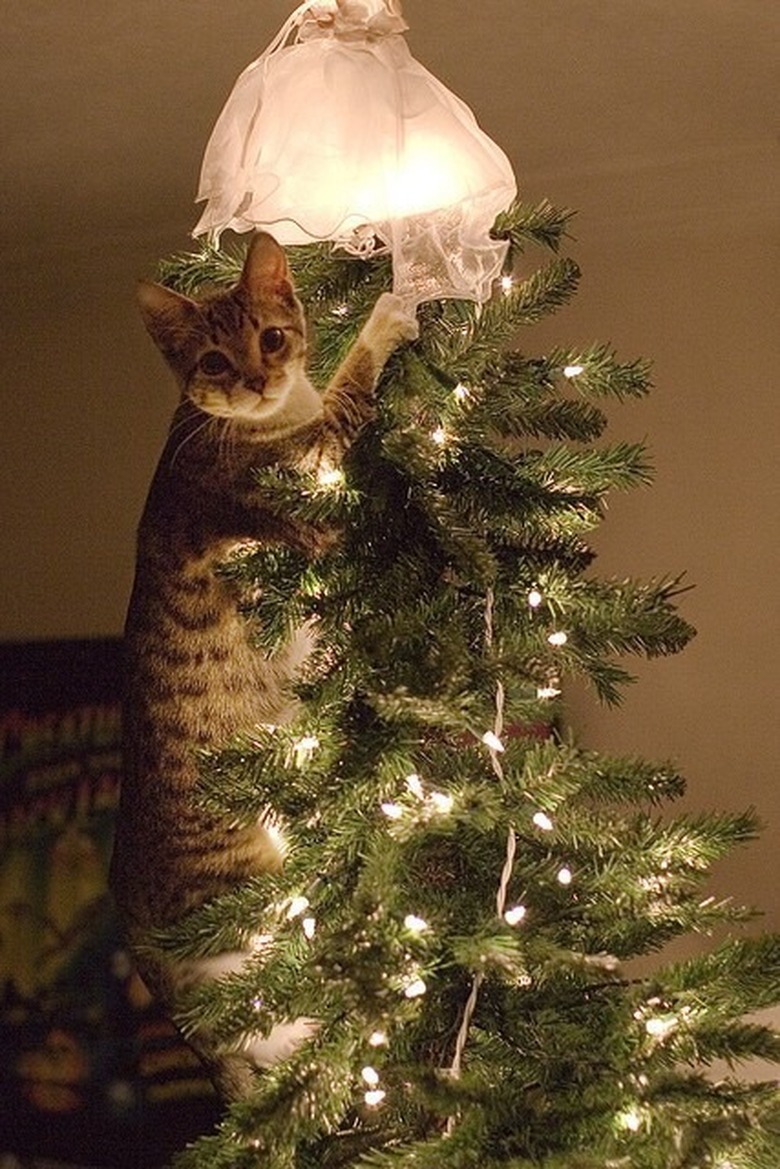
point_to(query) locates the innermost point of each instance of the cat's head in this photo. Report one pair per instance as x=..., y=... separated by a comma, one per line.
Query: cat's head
x=237, y=354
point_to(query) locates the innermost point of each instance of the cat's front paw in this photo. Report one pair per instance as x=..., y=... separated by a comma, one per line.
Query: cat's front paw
x=284, y=1041
x=394, y=319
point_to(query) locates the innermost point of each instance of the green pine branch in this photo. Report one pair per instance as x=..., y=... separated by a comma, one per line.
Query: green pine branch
x=541, y=224
x=193, y=272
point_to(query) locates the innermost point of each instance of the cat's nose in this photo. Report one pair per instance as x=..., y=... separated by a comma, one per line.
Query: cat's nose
x=255, y=381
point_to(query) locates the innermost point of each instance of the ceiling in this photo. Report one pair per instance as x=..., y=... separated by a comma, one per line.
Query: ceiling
x=106, y=106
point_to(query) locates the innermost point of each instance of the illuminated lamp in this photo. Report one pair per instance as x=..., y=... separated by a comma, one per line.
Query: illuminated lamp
x=336, y=133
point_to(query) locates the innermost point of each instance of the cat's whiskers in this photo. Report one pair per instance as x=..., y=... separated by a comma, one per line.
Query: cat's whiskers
x=178, y=425
x=196, y=430
x=187, y=416
x=228, y=443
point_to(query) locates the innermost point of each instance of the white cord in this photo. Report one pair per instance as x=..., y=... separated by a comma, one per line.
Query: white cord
x=506, y=874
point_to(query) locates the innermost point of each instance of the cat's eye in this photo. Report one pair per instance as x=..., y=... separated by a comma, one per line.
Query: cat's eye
x=272, y=340
x=214, y=363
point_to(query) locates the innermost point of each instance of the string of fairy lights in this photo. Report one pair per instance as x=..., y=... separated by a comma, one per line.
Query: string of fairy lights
x=434, y=802
x=656, y=1020
x=441, y=803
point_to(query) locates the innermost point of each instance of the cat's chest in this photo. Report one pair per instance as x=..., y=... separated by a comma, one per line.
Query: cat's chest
x=220, y=469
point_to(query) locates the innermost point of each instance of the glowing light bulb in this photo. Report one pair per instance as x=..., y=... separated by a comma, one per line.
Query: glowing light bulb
x=441, y=802
x=548, y=692
x=559, y=638
x=506, y=284
x=573, y=371
x=414, y=924
x=370, y=1076
x=515, y=915
x=414, y=785
x=309, y=925
x=461, y=392
x=630, y=1120
x=305, y=748
x=415, y=989
x=565, y=876
x=661, y=1027
x=543, y=821
x=330, y=476
x=492, y=741
x=297, y=906
x=535, y=598
x=393, y=811
x=439, y=436
x=374, y=1097
x=377, y=1039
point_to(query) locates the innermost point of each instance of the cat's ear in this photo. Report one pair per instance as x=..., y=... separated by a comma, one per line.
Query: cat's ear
x=165, y=312
x=266, y=268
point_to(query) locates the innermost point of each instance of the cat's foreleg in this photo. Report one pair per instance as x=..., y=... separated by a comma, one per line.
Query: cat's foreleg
x=389, y=325
x=348, y=400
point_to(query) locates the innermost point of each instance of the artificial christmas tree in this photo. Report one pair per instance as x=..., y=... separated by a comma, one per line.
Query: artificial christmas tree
x=464, y=885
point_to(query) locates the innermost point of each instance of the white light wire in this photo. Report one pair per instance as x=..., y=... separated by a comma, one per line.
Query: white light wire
x=506, y=874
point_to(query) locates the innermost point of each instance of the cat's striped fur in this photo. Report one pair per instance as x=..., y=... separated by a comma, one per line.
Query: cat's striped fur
x=193, y=680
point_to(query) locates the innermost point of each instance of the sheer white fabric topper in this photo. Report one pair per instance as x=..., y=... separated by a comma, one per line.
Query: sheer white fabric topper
x=337, y=133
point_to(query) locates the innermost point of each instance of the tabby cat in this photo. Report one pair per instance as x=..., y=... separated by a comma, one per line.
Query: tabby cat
x=193, y=679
